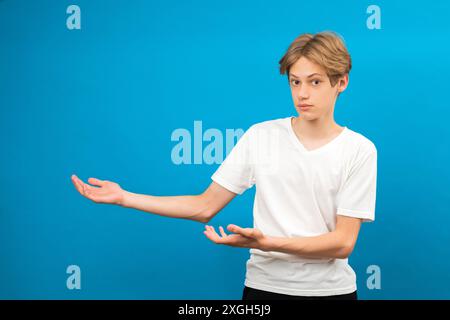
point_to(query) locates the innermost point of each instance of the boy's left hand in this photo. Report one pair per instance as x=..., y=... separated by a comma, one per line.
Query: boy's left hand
x=242, y=237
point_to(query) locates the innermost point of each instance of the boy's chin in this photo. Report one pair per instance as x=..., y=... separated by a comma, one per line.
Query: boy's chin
x=308, y=116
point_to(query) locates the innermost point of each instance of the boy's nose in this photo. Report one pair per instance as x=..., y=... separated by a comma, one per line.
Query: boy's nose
x=302, y=94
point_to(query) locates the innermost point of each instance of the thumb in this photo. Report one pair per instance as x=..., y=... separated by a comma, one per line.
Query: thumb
x=246, y=232
x=96, y=182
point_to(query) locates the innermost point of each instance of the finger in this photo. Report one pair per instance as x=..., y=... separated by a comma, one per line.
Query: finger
x=216, y=236
x=208, y=229
x=78, y=185
x=234, y=240
x=208, y=234
x=233, y=228
x=222, y=232
x=211, y=228
x=73, y=179
x=213, y=236
x=83, y=187
x=96, y=182
x=247, y=232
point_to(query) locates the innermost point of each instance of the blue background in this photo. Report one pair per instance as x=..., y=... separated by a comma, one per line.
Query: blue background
x=103, y=101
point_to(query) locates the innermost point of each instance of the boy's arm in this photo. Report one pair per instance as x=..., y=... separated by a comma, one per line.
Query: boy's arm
x=200, y=207
x=335, y=244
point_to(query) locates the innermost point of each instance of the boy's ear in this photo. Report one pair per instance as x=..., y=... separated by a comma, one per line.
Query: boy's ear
x=343, y=83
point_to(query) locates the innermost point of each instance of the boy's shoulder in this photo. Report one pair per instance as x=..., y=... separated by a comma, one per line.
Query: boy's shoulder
x=360, y=141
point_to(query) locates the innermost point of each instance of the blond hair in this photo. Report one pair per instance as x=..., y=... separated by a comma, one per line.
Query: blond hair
x=325, y=48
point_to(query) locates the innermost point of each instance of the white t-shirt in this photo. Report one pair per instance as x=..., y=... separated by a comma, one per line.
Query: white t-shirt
x=299, y=193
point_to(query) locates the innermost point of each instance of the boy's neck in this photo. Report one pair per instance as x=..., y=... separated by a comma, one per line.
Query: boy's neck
x=321, y=128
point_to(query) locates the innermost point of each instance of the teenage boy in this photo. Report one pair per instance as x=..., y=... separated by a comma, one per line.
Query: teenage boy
x=315, y=183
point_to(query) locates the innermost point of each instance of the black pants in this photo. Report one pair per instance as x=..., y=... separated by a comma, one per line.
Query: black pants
x=255, y=294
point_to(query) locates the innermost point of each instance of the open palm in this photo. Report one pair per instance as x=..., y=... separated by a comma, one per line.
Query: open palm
x=101, y=191
x=243, y=237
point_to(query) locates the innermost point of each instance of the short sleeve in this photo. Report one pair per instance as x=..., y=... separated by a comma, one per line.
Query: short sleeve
x=236, y=173
x=357, y=196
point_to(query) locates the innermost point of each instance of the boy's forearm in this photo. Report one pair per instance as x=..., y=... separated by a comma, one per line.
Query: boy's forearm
x=191, y=207
x=329, y=245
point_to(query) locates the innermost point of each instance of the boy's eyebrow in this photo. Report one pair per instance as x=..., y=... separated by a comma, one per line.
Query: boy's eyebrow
x=293, y=75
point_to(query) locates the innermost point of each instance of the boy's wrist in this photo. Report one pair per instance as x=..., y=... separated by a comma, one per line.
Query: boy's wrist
x=267, y=244
x=125, y=199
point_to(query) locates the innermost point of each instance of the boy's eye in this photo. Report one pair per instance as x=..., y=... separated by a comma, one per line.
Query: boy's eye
x=315, y=82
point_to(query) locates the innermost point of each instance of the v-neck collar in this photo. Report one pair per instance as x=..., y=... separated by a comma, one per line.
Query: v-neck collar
x=302, y=148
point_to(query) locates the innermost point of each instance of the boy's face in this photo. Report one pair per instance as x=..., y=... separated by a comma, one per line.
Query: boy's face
x=314, y=90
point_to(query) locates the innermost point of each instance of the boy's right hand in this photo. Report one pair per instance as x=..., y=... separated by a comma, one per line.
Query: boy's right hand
x=106, y=192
